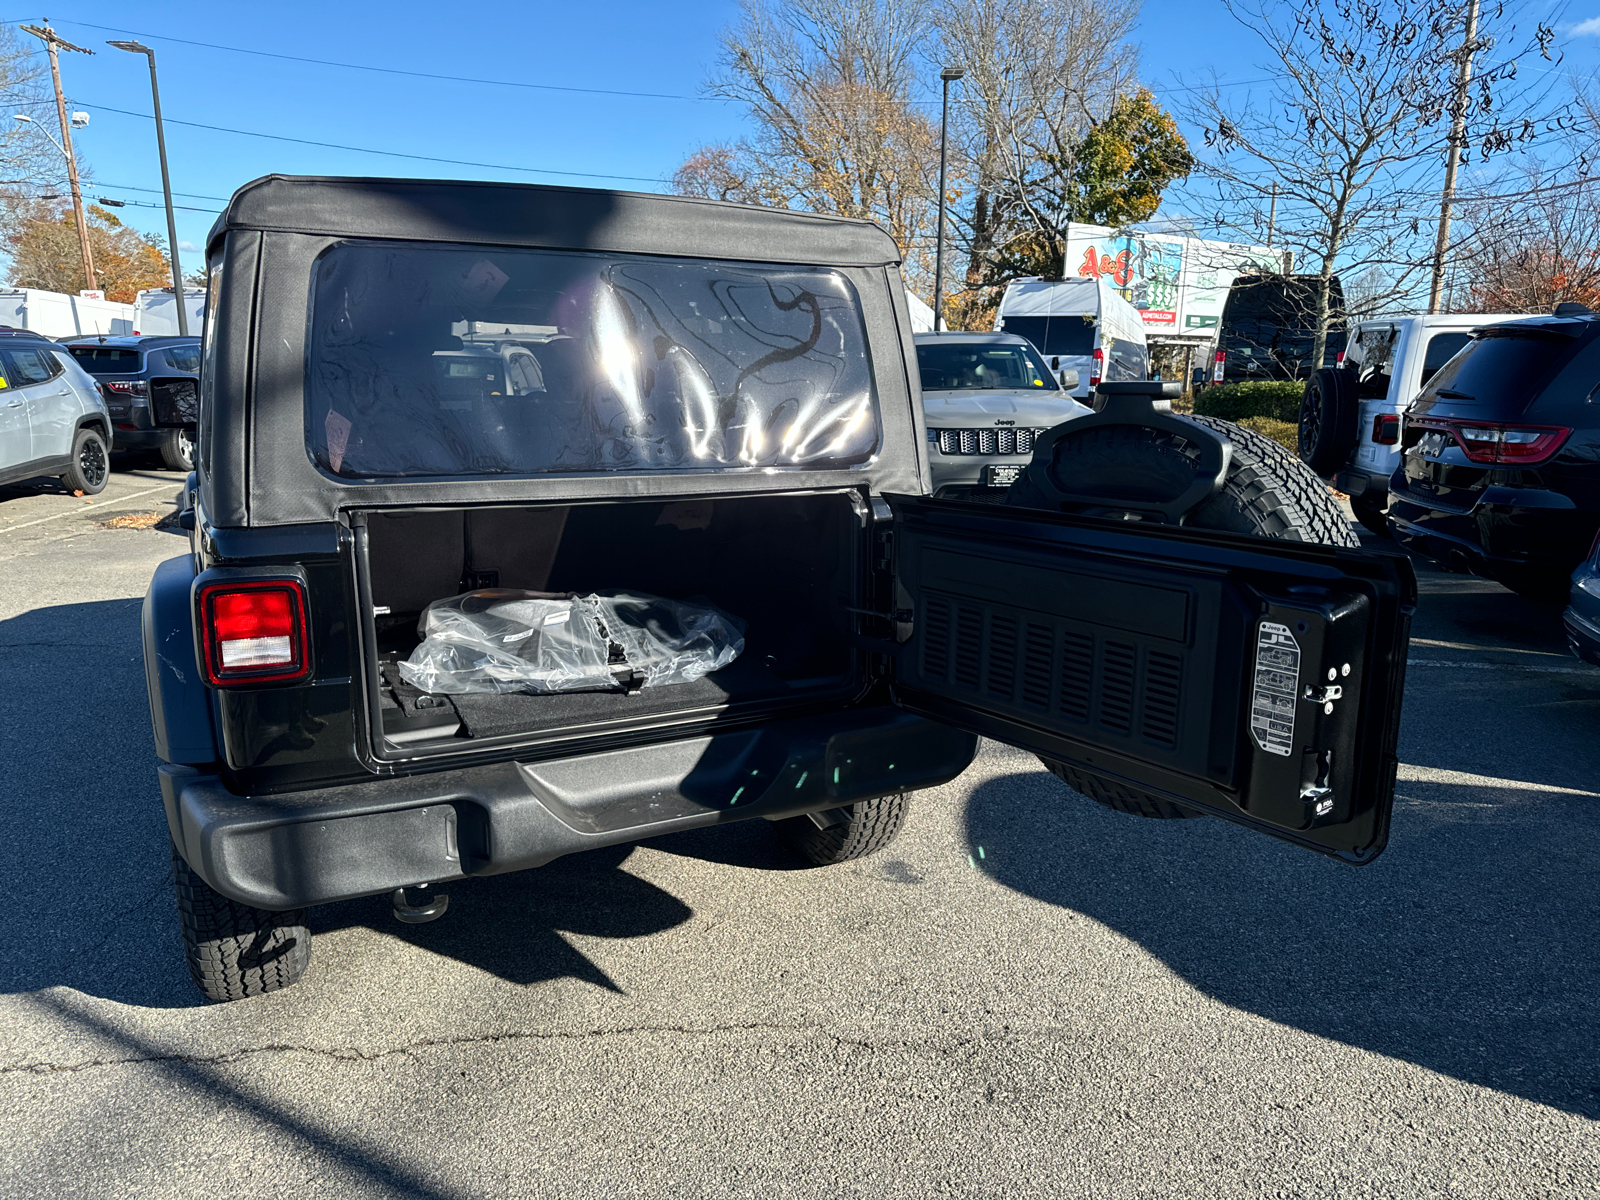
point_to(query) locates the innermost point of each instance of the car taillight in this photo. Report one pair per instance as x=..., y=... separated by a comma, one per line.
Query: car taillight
x=126, y=387
x=1386, y=429
x=1486, y=443
x=1097, y=364
x=1217, y=365
x=1338, y=359
x=254, y=632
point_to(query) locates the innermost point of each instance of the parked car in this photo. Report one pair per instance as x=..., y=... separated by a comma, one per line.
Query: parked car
x=1500, y=467
x=726, y=436
x=1582, y=618
x=124, y=367
x=1268, y=329
x=53, y=419
x=1350, y=414
x=1079, y=325
x=985, y=397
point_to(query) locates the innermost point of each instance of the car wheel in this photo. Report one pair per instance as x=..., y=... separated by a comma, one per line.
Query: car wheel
x=90, y=470
x=855, y=831
x=177, y=452
x=233, y=950
x=1268, y=493
x=1373, y=517
x=1328, y=413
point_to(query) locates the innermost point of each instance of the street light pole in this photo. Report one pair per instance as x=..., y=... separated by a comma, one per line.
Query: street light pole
x=166, y=184
x=51, y=41
x=948, y=75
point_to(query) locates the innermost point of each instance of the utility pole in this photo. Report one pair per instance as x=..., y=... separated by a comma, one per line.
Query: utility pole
x=52, y=41
x=1272, y=217
x=1458, y=129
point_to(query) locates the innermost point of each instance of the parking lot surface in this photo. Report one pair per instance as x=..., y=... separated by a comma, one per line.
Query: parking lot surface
x=1027, y=995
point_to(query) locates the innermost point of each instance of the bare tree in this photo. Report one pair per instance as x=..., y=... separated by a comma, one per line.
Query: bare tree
x=1349, y=143
x=1040, y=74
x=1529, y=247
x=828, y=87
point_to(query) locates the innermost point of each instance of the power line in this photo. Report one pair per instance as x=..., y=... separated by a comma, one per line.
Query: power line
x=323, y=62
x=456, y=162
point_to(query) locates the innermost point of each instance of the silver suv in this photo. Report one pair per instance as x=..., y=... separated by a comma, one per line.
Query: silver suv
x=53, y=419
x=985, y=397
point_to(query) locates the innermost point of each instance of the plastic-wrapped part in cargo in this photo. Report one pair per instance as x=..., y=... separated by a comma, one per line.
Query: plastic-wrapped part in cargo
x=669, y=641
x=500, y=640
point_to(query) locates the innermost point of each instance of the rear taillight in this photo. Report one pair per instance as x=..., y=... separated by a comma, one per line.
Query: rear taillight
x=126, y=387
x=254, y=632
x=1386, y=429
x=1097, y=366
x=1338, y=359
x=1217, y=366
x=1514, y=445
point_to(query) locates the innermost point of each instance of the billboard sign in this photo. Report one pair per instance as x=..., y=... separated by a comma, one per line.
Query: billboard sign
x=1178, y=284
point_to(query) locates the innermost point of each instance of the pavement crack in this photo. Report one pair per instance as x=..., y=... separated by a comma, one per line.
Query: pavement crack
x=355, y=1055
x=116, y=922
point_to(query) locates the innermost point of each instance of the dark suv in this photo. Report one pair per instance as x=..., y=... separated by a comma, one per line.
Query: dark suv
x=423, y=403
x=125, y=368
x=1500, y=465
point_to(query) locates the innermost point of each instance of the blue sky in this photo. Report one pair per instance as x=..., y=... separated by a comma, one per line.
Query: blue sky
x=661, y=48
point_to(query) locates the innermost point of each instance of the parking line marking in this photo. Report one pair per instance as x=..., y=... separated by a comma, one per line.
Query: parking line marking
x=1408, y=773
x=1483, y=666
x=112, y=507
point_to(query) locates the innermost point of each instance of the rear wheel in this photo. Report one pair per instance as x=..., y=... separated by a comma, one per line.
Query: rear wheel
x=233, y=950
x=1373, y=516
x=1268, y=493
x=842, y=834
x=177, y=452
x=90, y=469
x=1328, y=415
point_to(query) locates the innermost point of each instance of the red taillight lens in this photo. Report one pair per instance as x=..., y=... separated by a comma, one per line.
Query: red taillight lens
x=1486, y=443
x=1217, y=366
x=126, y=387
x=254, y=632
x=1097, y=364
x=1386, y=429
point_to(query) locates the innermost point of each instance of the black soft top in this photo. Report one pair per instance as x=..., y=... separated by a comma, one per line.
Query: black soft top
x=568, y=218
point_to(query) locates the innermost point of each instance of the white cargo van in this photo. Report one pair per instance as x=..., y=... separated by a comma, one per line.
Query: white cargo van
x=156, y=312
x=1081, y=325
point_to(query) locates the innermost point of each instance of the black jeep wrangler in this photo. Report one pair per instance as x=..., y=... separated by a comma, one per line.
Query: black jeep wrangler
x=425, y=399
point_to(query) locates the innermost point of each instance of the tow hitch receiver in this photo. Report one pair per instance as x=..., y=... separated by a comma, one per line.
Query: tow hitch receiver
x=431, y=909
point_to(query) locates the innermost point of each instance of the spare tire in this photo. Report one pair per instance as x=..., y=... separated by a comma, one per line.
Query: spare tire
x=1328, y=414
x=1268, y=492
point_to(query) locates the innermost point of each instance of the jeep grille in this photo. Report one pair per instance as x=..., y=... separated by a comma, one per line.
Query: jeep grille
x=986, y=441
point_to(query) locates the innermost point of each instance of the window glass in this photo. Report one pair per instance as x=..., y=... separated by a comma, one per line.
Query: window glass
x=25, y=365
x=1442, y=347
x=1376, y=371
x=951, y=366
x=478, y=361
x=184, y=358
x=1125, y=360
x=1054, y=335
x=1508, y=368
x=106, y=360
x=208, y=365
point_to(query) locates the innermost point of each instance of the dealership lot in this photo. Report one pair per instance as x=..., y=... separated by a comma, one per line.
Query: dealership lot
x=1025, y=995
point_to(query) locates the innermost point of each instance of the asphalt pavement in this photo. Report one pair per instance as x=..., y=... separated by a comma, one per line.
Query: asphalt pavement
x=1026, y=995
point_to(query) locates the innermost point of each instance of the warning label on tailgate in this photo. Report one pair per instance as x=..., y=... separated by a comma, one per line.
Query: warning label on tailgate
x=1277, y=680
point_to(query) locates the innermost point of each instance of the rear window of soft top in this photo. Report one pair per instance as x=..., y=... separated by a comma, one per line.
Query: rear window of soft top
x=106, y=360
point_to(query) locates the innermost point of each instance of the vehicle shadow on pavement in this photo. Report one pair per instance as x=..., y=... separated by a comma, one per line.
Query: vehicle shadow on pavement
x=1466, y=949
x=511, y=925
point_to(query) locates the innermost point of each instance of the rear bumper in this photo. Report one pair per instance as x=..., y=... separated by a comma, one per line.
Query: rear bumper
x=1363, y=485
x=287, y=851
x=1501, y=530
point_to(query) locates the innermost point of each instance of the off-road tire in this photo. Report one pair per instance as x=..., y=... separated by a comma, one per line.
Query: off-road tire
x=1329, y=411
x=90, y=470
x=174, y=454
x=233, y=950
x=872, y=825
x=1268, y=493
x=1117, y=796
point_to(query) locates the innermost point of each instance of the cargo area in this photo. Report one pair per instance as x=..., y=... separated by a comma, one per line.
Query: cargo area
x=788, y=566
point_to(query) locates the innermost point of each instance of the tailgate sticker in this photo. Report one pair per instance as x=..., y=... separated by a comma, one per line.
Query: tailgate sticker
x=1277, y=680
